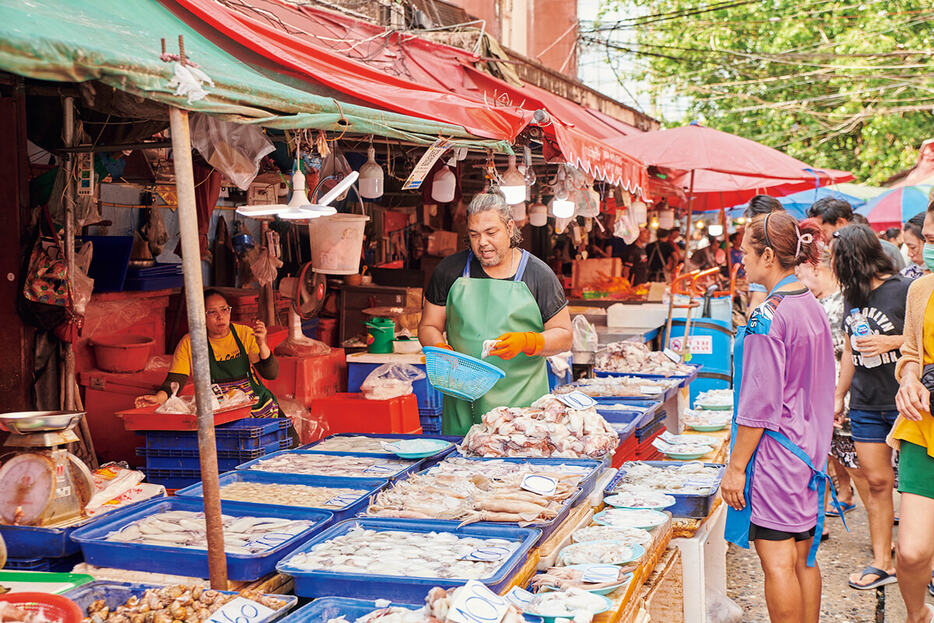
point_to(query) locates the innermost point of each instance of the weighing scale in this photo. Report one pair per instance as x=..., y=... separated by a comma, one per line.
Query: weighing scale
x=41, y=482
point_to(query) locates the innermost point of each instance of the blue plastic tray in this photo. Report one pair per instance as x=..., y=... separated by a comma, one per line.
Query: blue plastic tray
x=430, y=460
x=327, y=608
x=245, y=434
x=403, y=589
x=116, y=593
x=692, y=506
x=401, y=474
x=587, y=483
x=194, y=562
x=372, y=487
x=685, y=379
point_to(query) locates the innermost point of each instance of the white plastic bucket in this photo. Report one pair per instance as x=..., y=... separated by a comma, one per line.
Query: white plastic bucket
x=336, y=243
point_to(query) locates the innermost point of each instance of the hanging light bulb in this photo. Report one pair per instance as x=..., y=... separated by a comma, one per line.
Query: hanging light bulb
x=562, y=208
x=371, y=176
x=639, y=212
x=715, y=229
x=561, y=224
x=518, y=212
x=666, y=219
x=538, y=213
x=512, y=184
x=444, y=184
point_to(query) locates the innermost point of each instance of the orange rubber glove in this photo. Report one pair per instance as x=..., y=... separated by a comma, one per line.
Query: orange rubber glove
x=508, y=345
x=444, y=346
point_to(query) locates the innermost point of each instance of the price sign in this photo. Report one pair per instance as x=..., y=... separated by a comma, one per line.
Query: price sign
x=475, y=603
x=542, y=485
x=651, y=390
x=675, y=357
x=270, y=540
x=241, y=610
x=491, y=553
x=577, y=400
x=342, y=500
x=424, y=164
x=381, y=469
x=600, y=574
x=519, y=597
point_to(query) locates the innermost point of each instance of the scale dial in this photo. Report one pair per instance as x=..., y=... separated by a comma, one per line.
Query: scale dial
x=27, y=487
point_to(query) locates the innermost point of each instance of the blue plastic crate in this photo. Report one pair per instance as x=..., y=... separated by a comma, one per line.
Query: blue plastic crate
x=427, y=461
x=189, y=459
x=278, y=442
x=402, y=473
x=691, y=506
x=173, y=479
x=245, y=434
x=117, y=593
x=431, y=423
x=371, y=486
x=53, y=565
x=159, y=559
x=327, y=608
x=684, y=380
x=404, y=589
x=109, y=262
x=427, y=396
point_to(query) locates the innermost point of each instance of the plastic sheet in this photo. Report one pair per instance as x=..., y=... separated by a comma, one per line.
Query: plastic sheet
x=307, y=427
x=390, y=380
x=231, y=148
x=584, y=335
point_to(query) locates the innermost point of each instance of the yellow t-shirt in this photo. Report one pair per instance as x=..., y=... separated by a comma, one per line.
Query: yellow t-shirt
x=225, y=348
x=921, y=433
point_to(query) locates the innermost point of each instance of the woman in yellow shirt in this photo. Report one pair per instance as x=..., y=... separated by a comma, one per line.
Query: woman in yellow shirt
x=236, y=354
x=913, y=435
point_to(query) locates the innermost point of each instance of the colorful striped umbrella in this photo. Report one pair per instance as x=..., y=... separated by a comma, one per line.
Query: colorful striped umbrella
x=893, y=208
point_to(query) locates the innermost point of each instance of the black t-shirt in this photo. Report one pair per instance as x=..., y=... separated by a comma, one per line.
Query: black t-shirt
x=874, y=389
x=542, y=282
x=659, y=252
x=637, y=262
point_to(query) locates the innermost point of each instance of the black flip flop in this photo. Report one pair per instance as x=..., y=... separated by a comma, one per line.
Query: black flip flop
x=882, y=579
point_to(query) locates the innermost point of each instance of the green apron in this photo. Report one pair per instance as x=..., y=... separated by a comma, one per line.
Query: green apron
x=484, y=309
x=237, y=373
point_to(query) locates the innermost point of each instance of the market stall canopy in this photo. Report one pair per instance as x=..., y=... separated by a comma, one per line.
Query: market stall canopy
x=896, y=206
x=300, y=55
x=65, y=41
x=799, y=202
x=402, y=71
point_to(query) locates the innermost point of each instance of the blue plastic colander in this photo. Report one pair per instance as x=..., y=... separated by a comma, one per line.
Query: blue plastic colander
x=459, y=375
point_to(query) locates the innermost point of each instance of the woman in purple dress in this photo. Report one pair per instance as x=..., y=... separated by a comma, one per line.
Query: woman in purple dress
x=776, y=479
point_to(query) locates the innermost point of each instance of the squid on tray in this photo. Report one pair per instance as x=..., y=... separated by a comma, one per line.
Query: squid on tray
x=562, y=578
x=635, y=357
x=436, y=609
x=471, y=491
x=546, y=429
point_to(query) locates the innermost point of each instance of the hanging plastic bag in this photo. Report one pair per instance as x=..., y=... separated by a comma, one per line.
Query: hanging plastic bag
x=232, y=148
x=584, y=335
x=389, y=381
x=625, y=228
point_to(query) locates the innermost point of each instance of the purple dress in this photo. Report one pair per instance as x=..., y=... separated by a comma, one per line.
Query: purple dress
x=788, y=386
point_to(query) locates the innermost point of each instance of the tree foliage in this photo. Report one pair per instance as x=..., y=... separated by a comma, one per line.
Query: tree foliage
x=836, y=83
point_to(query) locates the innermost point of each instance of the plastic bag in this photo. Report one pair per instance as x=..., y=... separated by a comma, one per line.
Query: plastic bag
x=308, y=428
x=584, y=335
x=389, y=381
x=177, y=404
x=722, y=609
x=233, y=149
x=625, y=228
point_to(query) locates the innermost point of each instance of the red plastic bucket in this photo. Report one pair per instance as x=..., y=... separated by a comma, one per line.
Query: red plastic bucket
x=122, y=353
x=52, y=608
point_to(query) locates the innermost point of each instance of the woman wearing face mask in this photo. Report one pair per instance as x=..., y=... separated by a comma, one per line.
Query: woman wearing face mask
x=913, y=436
x=914, y=241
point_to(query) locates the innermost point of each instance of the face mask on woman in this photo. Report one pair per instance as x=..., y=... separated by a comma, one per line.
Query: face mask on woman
x=928, y=255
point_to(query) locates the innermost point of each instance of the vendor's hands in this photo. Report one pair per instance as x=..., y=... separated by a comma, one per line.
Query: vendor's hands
x=873, y=345
x=732, y=486
x=259, y=332
x=912, y=398
x=509, y=345
x=149, y=400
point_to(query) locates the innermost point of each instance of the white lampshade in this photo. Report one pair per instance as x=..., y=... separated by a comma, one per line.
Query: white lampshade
x=715, y=229
x=666, y=219
x=513, y=184
x=561, y=224
x=443, y=185
x=639, y=212
x=370, y=181
x=538, y=214
x=518, y=211
x=562, y=208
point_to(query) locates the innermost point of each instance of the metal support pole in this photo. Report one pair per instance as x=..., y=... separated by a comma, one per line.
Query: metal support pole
x=68, y=124
x=688, y=234
x=200, y=366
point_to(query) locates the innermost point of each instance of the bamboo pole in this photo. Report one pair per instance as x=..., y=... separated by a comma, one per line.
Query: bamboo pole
x=200, y=367
x=68, y=137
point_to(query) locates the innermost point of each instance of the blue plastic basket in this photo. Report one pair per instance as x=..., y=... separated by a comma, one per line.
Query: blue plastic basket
x=693, y=506
x=404, y=589
x=327, y=608
x=371, y=486
x=117, y=593
x=459, y=375
x=159, y=559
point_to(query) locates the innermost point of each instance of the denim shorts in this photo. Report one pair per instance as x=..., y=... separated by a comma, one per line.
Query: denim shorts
x=871, y=426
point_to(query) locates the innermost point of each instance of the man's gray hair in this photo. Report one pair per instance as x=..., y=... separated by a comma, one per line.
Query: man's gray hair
x=494, y=200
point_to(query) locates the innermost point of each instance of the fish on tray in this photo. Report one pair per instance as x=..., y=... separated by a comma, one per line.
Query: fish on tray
x=290, y=495
x=437, y=607
x=407, y=554
x=619, y=386
x=693, y=478
x=560, y=578
x=332, y=465
x=354, y=443
x=242, y=535
x=637, y=358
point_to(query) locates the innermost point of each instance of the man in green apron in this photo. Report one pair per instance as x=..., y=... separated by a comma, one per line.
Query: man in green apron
x=495, y=291
x=237, y=353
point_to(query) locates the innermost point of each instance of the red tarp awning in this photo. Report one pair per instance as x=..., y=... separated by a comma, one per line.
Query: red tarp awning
x=298, y=54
